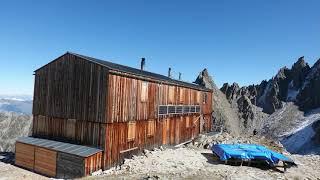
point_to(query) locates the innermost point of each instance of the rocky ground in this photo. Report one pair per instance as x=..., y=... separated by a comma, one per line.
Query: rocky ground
x=191, y=161
x=9, y=171
x=195, y=161
x=13, y=125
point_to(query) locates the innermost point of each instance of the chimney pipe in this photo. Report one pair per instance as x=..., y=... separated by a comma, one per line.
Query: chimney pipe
x=169, y=72
x=143, y=63
x=179, y=76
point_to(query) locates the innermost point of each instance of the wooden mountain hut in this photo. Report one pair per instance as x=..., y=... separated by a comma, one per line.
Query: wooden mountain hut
x=90, y=114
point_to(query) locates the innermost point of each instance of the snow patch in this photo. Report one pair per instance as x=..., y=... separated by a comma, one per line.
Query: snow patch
x=292, y=92
x=299, y=140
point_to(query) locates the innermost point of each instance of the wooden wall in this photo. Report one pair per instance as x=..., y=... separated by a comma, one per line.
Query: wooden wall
x=69, y=130
x=80, y=102
x=168, y=131
x=126, y=99
x=129, y=102
x=71, y=88
x=93, y=163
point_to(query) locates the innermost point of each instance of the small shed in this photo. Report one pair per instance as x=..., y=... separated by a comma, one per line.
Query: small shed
x=57, y=159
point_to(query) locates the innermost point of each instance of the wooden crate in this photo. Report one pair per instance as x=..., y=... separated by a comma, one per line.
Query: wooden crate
x=45, y=161
x=24, y=155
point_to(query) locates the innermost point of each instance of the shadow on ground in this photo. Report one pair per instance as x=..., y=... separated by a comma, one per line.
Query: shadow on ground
x=212, y=159
x=7, y=157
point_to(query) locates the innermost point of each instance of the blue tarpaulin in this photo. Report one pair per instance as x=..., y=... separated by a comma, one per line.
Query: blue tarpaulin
x=248, y=152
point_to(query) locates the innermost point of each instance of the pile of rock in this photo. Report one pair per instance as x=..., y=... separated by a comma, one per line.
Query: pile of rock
x=208, y=140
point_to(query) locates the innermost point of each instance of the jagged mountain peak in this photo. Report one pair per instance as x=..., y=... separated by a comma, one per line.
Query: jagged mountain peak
x=282, y=73
x=300, y=84
x=316, y=66
x=300, y=64
x=205, y=80
x=225, y=118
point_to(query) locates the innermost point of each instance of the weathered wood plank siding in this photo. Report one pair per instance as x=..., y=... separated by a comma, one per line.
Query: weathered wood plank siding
x=24, y=155
x=78, y=101
x=45, y=161
x=69, y=130
x=127, y=103
x=71, y=88
x=93, y=163
x=70, y=166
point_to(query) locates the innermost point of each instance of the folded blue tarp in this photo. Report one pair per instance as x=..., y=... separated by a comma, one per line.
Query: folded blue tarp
x=248, y=152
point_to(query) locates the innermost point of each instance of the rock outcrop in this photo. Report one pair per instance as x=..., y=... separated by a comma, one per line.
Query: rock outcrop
x=224, y=116
x=243, y=100
x=300, y=84
x=309, y=96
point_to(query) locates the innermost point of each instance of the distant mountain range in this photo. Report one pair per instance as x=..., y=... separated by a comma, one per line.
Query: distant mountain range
x=17, y=103
x=15, y=119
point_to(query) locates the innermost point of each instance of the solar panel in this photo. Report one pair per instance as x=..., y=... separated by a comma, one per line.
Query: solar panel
x=172, y=109
x=192, y=109
x=163, y=110
x=198, y=109
x=179, y=110
x=186, y=109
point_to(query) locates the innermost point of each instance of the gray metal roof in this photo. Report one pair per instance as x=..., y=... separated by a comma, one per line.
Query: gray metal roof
x=139, y=72
x=79, y=150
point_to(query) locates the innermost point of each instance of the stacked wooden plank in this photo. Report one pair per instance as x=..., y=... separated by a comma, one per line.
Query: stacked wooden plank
x=25, y=155
x=45, y=161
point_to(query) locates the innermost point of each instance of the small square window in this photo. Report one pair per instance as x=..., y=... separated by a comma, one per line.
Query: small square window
x=151, y=128
x=204, y=98
x=144, y=91
x=187, y=122
x=171, y=94
x=181, y=95
x=131, y=131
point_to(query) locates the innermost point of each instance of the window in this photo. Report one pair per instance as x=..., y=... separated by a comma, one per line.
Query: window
x=198, y=109
x=186, y=109
x=192, y=109
x=181, y=95
x=131, y=131
x=171, y=109
x=178, y=109
x=150, y=128
x=187, y=122
x=163, y=110
x=171, y=94
x=198, y=97
x=204, y=98
x=144, y=91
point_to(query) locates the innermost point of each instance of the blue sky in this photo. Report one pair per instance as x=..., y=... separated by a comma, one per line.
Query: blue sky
x=243, y=41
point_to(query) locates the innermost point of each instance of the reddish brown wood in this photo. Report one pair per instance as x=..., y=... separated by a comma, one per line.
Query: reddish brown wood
x=85, y=103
